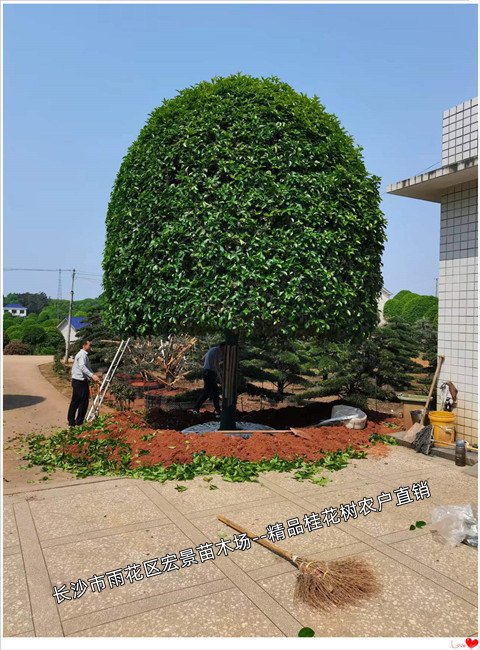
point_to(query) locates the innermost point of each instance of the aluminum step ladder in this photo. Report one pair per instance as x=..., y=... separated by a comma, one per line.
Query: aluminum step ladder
x=106, y=381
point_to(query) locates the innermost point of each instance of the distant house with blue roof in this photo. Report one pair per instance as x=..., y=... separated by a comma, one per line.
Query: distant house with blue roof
x=78, y=323
x=15, y=309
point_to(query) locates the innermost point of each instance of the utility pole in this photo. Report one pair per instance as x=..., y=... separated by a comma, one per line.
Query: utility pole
x=70, y=306
x=59, y=293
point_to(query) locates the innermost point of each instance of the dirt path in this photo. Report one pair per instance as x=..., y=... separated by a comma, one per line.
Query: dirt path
x=30, y=403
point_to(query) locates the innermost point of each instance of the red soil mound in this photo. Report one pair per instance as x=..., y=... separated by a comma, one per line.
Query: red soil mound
x=167, y=446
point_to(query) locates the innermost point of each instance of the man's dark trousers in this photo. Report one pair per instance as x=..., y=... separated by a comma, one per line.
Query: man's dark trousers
x=79, y=404
x=210, y=389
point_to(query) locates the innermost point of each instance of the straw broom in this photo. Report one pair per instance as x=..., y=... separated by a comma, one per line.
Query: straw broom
x=323, y=585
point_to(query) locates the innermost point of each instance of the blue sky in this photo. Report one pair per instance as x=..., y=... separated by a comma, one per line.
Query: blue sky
x=80, y=81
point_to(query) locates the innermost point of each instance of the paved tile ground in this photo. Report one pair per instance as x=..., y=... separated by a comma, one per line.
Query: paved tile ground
x=55, y=534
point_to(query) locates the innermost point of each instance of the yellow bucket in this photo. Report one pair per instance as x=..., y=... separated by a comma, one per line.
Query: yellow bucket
x=443, y=426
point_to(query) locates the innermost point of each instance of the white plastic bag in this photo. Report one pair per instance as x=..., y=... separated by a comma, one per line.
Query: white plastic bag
x=352, y=417
x=454, y=524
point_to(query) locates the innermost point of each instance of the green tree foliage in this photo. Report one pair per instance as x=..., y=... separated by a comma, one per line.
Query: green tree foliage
x=31, y=319
x=281, y=364
x=34, y=302
x=6, y=339
x=243, y=205
x=55, y=310
x=44, y=315
x=50, y=324
x=54, y=340
x=104, y=339
x=34, y=334
x=44, y=338
x=378, y=367
x=15, y=332
x=412, y=307
x=426, y=335
x=60, y=307
x=8, y=320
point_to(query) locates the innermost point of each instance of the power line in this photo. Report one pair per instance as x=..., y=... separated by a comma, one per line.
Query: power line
x=94, y=280
x=86, y=273
x=50, y=270
x=93, y=275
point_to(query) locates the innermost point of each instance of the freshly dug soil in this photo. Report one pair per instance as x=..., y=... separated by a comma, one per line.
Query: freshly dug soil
x=177, y=419
x=277, y=418
x=170, y=446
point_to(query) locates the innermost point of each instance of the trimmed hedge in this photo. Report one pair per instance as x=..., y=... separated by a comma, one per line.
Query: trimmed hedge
x=411, y=307
x=244, y=205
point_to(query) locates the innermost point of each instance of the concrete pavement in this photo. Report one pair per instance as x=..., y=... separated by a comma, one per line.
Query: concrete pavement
x=58, y=535
x=64, y=531
x=30, y=404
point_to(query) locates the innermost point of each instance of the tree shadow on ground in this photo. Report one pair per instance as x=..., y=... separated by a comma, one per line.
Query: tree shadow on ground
x=11, y=402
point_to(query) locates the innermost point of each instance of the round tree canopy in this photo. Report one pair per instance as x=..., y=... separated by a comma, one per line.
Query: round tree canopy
x=243, y=205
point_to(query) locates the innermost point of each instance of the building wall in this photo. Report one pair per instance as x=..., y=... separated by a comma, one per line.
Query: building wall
x=457, y=292
x=18, y=312
x=384, y=296
x=460, y=132
x=63, y=329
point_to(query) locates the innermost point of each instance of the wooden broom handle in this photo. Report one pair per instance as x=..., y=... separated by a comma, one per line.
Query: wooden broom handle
x=262, y=542
x=434, y=382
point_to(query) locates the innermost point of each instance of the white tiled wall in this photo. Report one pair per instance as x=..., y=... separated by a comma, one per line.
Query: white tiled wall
x=460, y=132
x=457, y=292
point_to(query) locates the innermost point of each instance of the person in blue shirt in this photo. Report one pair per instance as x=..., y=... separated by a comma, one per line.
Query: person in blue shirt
x=211, y=376
x=81, y=375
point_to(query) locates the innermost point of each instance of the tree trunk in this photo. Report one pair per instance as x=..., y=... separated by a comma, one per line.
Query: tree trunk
x=280, y=390
x=229, y=383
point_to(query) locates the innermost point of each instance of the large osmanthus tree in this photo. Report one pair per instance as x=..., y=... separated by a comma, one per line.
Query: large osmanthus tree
x=243, y=208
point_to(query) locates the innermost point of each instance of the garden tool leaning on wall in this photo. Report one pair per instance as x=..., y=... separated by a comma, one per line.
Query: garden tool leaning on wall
x=416, y=427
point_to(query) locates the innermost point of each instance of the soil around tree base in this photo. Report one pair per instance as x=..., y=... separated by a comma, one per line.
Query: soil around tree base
x=167, y=446
x=276, y=418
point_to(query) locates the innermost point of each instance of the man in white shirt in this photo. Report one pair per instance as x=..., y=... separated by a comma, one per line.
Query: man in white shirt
x=211, y=377
x=81, y=375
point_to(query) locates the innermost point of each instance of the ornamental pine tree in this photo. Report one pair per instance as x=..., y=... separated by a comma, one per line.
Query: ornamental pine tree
x=377, y=367
x=281, y=365
x=105, y=340
x=243, y=208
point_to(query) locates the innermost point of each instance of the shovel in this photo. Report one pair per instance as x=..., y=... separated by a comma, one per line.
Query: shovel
x=411, y=434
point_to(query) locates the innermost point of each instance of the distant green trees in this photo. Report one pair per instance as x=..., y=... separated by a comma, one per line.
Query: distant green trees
x=33, y=334
x=412, y=307
x=105, y=340
x=38, y=331
x=34, y=302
